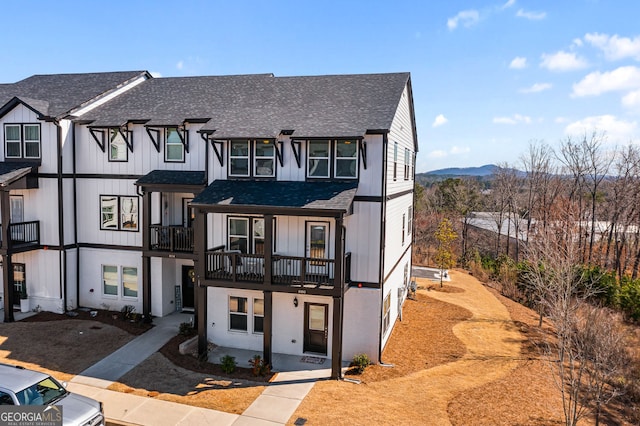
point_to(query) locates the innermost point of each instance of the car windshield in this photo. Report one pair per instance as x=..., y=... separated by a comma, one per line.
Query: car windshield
x=44, y=392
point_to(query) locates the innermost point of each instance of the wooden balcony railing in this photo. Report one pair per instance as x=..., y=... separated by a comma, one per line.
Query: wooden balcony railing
x=24, y=233
x=171, y=238
x=293, y=271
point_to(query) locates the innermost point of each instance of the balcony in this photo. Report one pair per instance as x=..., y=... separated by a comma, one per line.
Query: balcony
x=24, y=234
x=289, y=271
x=171, y=238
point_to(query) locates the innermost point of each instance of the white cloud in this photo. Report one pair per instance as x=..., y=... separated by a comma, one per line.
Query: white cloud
x=596, y=83
x=508, y=4
x=439, y=121
x=180, y=65
x=533, y=16
x=438, y=153
x=455, y=150
x=560, y=120
x=562, y=61
x=514, y=119
x=632, y=100
x=577, y=42
x=518, y=63
x=615, y=47
x=466, y=18
x=617, y=131
x=537, y=87
x=155, y=74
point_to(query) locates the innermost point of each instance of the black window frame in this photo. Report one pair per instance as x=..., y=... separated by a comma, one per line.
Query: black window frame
x=251, y=236
x=23, y=142
x=395, y=161
x=120, y=224
x=237, y=314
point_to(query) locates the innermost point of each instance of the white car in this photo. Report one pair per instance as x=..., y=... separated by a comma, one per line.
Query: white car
x=19, y=386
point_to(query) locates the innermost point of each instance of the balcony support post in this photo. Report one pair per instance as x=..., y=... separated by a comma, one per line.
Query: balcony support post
x=267, y=328
x=200, y=248
x=7, y=267
x=338, y=302
x=146, y=260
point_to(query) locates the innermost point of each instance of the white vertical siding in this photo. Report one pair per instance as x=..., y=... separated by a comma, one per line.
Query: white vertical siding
x=363, y=241
x=361, y=323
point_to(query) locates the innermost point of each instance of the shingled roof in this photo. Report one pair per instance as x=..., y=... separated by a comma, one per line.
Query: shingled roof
x=254, y=106
x=327, y=196
x=56, y=95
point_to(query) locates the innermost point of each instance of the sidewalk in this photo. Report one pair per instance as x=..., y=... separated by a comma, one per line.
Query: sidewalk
x=274, y=406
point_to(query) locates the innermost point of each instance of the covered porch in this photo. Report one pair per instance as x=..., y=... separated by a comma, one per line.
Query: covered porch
x=320, y=207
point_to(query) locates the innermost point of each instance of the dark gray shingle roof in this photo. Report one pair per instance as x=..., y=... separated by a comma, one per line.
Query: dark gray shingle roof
x=262, y=105
x=284, y=194
x=173, y=177
x=60, y=93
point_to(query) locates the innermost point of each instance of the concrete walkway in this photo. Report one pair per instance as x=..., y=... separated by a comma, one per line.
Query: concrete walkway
x=274, y=406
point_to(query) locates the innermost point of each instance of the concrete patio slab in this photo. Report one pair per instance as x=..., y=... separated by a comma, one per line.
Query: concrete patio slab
x=272, y=408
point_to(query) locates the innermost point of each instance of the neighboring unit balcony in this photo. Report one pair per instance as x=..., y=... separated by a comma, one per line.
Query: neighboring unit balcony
x=24, y=234
x=171, y=238
x=302, y=273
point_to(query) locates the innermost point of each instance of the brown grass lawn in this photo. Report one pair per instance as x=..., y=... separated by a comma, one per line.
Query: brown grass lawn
x=463, y=355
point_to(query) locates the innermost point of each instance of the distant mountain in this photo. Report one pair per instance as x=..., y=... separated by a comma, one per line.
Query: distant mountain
x=486, y=170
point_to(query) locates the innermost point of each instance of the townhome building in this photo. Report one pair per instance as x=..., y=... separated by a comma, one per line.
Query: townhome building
x=278, y=209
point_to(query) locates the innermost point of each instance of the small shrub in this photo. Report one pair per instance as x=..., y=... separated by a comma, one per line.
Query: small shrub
x=228, y=363
x=186, y=329
x=360, y=362
x=127, y=311
x=259, y=367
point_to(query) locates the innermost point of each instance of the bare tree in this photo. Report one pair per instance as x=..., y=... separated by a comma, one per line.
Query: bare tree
x=577, y=350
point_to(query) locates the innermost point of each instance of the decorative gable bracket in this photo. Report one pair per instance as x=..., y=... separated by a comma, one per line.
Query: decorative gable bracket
x=102, y=134
x=296, y=147
x=279, y=152
x=363, y=152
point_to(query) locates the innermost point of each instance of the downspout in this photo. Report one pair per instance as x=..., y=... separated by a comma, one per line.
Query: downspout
x=383, y=212
x=75, y=209
x=61, y=252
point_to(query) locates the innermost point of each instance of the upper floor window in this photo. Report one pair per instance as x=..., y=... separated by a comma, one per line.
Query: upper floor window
x=407, y=164
x=118, y=213
x=22, y=141
x=246, y=235
x=241, y=163
x=117, y=146
x=395, y=160
x=173, y=146
x=345, y=159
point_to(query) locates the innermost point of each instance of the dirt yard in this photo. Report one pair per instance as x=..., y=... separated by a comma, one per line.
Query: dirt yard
x=463, y=355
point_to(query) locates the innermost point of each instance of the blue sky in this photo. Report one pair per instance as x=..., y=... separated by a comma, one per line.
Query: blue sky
x=488, y=77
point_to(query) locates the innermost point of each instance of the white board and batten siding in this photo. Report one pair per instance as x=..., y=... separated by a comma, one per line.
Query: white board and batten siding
x=91, y=280
x=166, y=275
x=143, y=159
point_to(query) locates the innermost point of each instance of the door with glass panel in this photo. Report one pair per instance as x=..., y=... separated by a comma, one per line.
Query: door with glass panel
x=317, y=249
x=316, y=328
x=16, y=208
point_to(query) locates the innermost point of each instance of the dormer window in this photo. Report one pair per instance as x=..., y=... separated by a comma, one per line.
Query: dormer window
x=22, y=141
x=241, y=163
x=117, y=146
x=346, y=159
x=173, y=146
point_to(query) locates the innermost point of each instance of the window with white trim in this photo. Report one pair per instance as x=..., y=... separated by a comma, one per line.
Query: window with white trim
x=318, y=158
x=237, y=313
x=117, y=146
x=403, y=227
x=239, y=158
x=130, y=281
x=258, y=315
x=22, y=141
x=407, y=163
x=346, y=164
x=395, y=160
x=109, y=280
x=264, y=164
x=246, y=234
x=173, y=146
x=118, y=213
x=410, y=225
x=386, y=309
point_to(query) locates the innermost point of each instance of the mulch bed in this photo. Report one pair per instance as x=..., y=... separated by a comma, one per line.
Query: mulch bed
x=106, y=317
x=171, y=351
